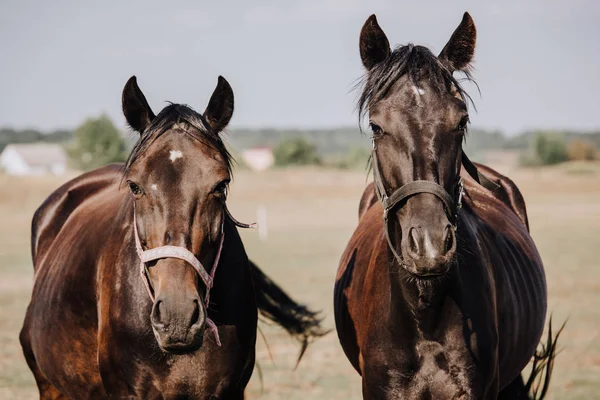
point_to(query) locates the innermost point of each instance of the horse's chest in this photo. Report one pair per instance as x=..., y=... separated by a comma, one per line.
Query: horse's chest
x=431, y=370
x=444, y=372
x=210, y=372
x=195, y=380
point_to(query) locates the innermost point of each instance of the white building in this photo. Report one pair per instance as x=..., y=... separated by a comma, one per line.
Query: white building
x=259, y=158
x=33, y=159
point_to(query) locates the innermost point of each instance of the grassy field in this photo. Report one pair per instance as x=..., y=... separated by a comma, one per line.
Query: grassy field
x=311, y=215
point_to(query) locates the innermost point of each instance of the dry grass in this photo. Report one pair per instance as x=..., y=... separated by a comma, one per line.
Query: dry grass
x=311, y=215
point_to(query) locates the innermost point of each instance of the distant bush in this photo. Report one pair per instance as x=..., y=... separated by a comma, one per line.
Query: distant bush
x=296, y=151
x=550, y=148
x=581, y=150
x=546, y=148
x=96, y=142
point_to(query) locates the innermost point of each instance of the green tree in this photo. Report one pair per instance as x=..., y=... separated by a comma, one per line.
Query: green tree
x=296, y=151
x=96, y=142
x=550, y=148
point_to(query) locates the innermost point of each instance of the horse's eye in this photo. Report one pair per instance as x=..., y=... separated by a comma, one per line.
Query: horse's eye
x=376, y=129
x=135, y=189
x=221, y=188
x=462, y=125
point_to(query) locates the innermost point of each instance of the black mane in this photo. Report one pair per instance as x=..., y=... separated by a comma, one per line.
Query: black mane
x=174, y=114
x=418, y=63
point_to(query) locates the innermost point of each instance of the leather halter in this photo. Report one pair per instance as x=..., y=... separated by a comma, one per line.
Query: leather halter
x=410, y=189
x=184, y=254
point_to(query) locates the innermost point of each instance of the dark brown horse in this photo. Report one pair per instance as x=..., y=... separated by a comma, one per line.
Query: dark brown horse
x=440, y=293
x=101, y=323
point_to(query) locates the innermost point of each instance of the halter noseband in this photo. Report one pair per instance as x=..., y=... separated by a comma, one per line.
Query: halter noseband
x=184, y=254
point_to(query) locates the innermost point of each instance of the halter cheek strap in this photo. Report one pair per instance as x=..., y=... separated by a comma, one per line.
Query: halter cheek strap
x=180, y=253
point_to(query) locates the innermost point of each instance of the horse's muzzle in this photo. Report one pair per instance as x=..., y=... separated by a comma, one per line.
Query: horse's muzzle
x=178, y=324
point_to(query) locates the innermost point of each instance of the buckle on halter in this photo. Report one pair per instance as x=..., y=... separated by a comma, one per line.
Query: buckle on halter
x=461, y=192
x=384, y=203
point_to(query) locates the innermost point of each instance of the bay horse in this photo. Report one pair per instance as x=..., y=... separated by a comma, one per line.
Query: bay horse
x=441, y=292
x=142, y=285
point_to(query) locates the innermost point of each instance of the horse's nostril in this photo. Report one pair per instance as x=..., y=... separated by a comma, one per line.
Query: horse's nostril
x=449, y=240
x=196, y=314
x=156, y=314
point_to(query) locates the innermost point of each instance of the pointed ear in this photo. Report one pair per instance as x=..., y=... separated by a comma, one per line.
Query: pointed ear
x=374, y=45
x=458, y=52
x=138, y=113
x=220, y=107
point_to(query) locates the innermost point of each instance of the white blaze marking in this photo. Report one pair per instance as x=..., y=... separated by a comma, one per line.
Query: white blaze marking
x=174, y=155
x=154, y=187
x=418, y=91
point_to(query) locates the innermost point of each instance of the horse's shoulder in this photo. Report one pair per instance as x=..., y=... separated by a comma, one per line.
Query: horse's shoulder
x=369, y=228
x=351, y=282
x=52, y=214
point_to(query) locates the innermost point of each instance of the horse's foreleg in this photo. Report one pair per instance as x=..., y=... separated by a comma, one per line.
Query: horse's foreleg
x=47, y=390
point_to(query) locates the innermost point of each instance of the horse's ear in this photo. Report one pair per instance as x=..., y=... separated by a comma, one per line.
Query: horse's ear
x=458, y=52
x=374, y=45
x=220, y=107
x=135, y=106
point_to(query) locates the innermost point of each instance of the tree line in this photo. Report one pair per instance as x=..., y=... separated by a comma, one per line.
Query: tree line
x=349, y=149
x=97, y=141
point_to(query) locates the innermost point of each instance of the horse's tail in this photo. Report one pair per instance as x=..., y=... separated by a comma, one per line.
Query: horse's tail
x=276, y=306
x=543, y=361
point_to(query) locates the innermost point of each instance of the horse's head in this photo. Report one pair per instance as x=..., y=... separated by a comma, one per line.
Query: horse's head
x=418, y=116
x=178, y=174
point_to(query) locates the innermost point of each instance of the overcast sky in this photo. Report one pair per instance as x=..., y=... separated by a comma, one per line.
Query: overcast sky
x=291, y=63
